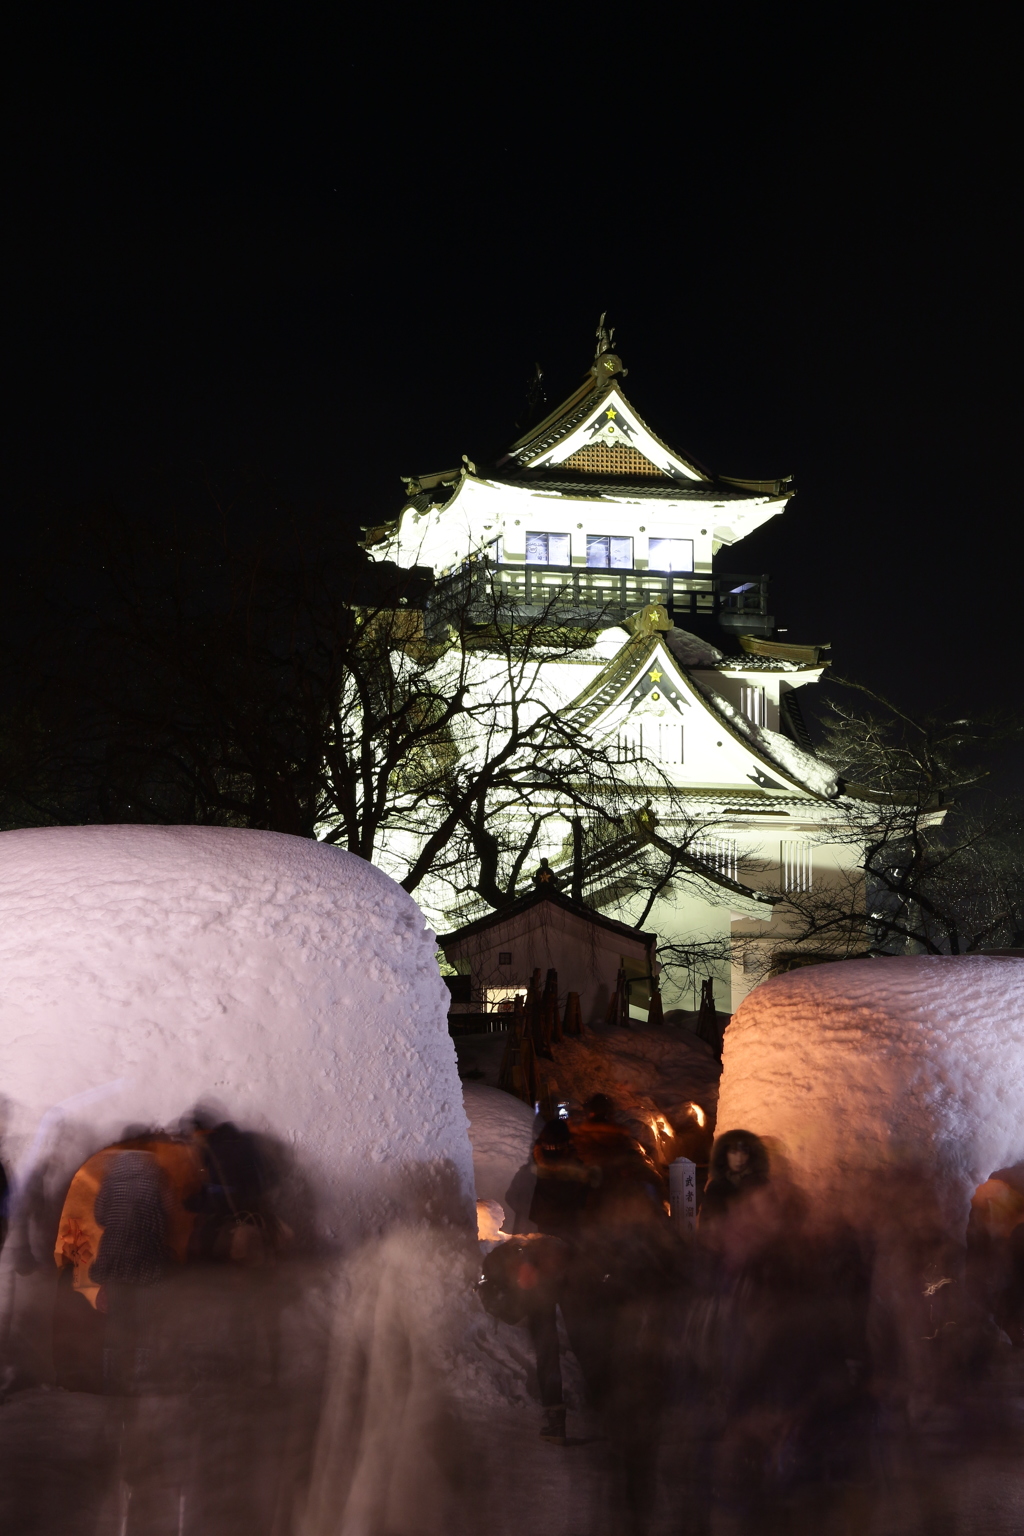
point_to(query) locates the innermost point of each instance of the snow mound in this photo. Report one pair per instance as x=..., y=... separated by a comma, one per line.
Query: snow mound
x=294, y=986
x=501, y=1131
x=862, y=1067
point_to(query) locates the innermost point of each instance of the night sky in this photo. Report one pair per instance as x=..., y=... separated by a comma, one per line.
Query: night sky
x=330, y=249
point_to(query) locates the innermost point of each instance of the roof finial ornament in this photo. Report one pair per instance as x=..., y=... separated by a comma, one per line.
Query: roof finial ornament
x=606, y=365
x=605, y=336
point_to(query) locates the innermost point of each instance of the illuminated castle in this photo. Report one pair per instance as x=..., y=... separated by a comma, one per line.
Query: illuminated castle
x=591, y=513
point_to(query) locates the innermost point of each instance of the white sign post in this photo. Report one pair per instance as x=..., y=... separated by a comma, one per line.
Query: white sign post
x=682, y=1194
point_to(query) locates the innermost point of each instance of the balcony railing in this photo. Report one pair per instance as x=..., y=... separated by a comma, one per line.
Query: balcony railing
x=595, y=595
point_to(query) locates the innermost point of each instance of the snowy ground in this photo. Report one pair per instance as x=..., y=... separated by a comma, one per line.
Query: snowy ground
x=231, y=1457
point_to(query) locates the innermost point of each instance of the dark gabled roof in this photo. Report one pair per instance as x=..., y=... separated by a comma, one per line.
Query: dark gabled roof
x=546, y=892
x=565, y=418
x=514, y=467
x=603, y=861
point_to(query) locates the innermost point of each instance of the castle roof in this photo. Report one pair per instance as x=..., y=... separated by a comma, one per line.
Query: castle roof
x=646, y=667
x=597, y=442
x=540, y=893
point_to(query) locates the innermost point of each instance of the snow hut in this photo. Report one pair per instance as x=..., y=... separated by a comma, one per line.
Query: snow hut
x=856, y=1070
x=148, y=970
x=546, y=929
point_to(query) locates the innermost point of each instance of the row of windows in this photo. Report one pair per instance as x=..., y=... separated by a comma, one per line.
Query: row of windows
x=794, y=860
x=609, y=552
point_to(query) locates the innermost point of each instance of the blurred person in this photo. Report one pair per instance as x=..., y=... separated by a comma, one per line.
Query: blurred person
x=79, y=1328
x=133, y=1254
x=739, y=1164
x=602, y=1141
x=780, y=1331
x=398, y=1450
x=522, y=1283
x=232, y=1218
x=559, y=1198
x=625, y=1264
x=519, y=1197
x=995, y=1255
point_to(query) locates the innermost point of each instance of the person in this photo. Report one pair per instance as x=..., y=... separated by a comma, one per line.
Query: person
x=556, y=1211
x=618, y=1167
x=739, y=1164
x=231, y=1217
x=522, y=1283
x=563, y=1181
x=131, y=1208
x=627, y=1262
x=524, y=1280
x=599, y=1194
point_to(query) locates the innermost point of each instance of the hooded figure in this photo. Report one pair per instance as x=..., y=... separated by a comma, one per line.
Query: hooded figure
x=739, y=1164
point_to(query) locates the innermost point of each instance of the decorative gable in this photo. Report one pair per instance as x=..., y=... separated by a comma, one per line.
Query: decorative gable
x=642, y=703
x=611, y=439
x=610, y=459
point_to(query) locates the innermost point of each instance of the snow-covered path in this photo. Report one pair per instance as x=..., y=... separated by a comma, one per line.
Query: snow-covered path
x=226, y=1446
x=61, y=1471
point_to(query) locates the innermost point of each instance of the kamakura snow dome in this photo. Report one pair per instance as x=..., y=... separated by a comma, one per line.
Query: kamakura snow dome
x=145, y=970
x=862, y=1066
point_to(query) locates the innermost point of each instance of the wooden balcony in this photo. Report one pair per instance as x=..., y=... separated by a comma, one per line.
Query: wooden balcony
x=593, y=595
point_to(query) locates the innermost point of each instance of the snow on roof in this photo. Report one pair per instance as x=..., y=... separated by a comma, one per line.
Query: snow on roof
x=773, y=747
x=862, y=1067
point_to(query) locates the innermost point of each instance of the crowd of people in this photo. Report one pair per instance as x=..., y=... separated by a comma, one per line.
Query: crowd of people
x=789, y=1345
x=795, y=1343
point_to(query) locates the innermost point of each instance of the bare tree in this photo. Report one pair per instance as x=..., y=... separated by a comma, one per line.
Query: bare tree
x=269, y=684
x=940, y=865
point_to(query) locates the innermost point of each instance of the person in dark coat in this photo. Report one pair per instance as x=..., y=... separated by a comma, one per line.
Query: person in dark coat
x=739, y=1164
x=563, y=1182
x=556, y=1210
x=132, y=1209
x=232, y=1203
x=625, y=1267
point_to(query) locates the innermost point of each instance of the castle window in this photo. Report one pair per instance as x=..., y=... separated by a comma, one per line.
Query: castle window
x=608, y=552
x=547, y=549
x=649, y=741
x=719, y=852
x=753, y=705
x=795, y=859
x=670, y=743
x=670, y=554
